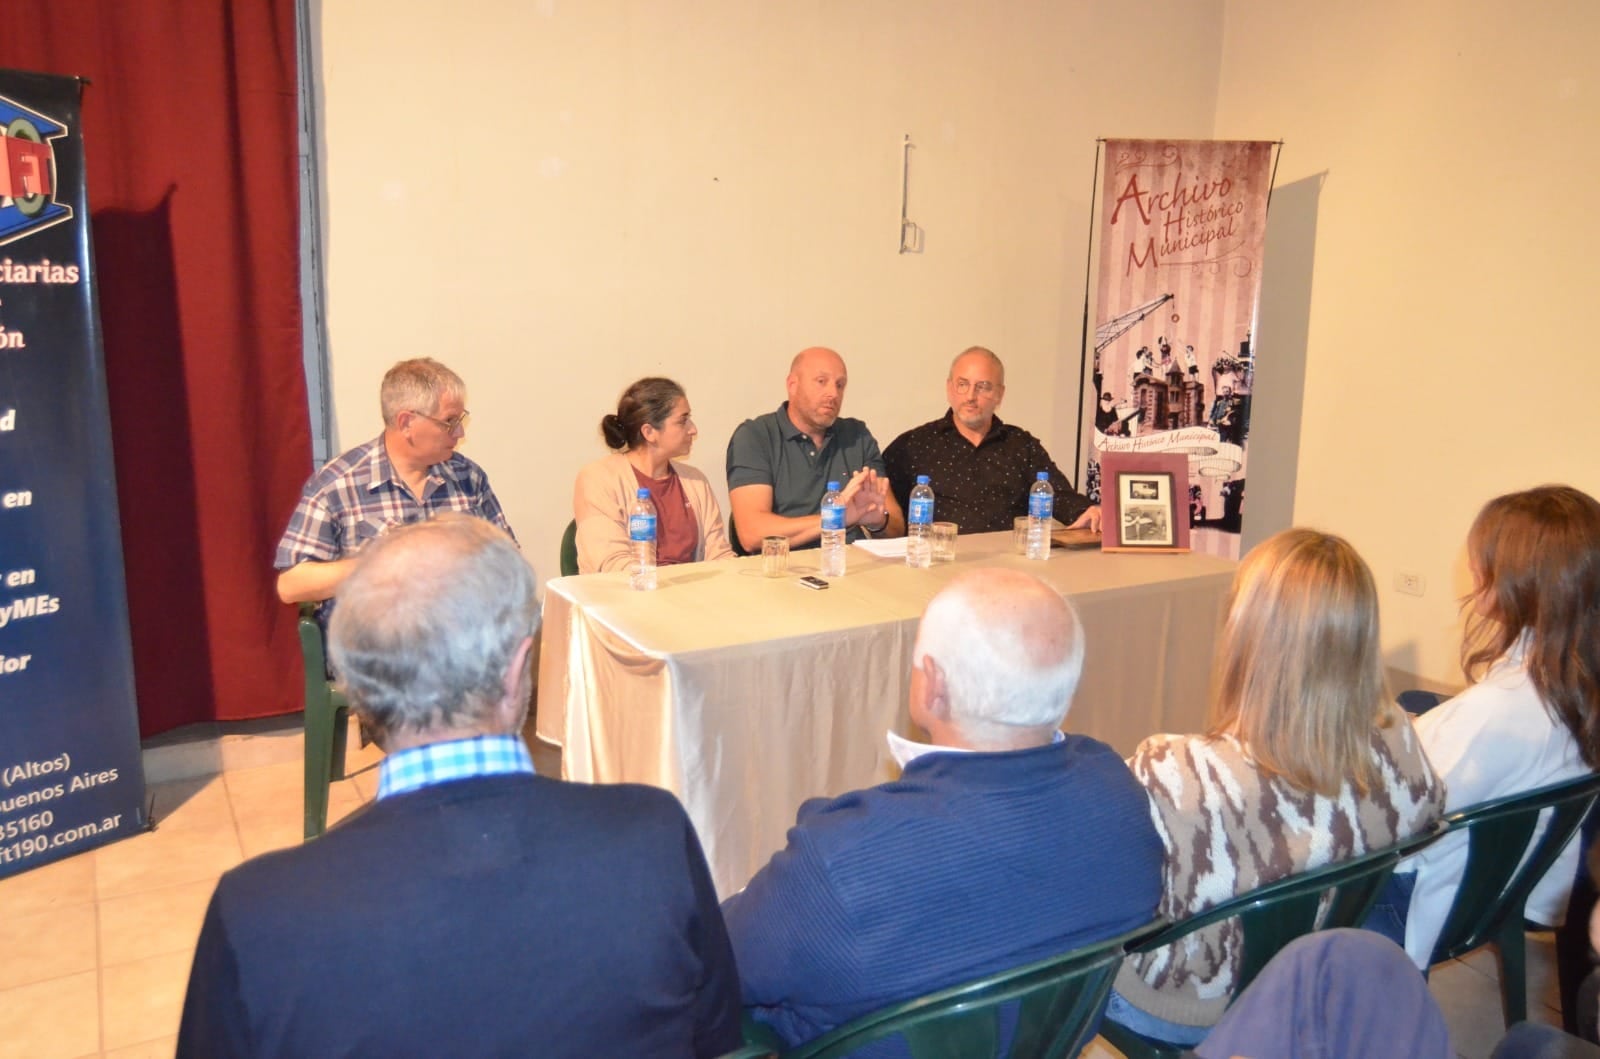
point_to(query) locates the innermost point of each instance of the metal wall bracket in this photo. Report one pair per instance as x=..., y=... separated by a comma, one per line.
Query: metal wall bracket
x=910, y=232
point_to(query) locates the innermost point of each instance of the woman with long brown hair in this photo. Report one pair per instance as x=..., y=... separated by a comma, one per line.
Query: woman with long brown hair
x=1305, y=762
x=1532, y=714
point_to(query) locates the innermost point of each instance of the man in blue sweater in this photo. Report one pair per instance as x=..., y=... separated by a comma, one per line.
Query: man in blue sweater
x=1003, y=842
x=474, y=908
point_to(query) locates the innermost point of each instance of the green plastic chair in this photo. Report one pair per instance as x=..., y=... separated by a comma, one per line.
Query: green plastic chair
x=1059, y=1001
x=733, y=535
x=569, y=550
x=759, y=1042
x=1502, y=870
x=326, y=721
x=1336, y=895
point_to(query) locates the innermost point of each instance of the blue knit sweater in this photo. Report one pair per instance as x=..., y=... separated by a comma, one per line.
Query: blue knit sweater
x=968, y=865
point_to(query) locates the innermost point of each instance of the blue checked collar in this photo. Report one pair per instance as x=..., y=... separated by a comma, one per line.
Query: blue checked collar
x=459, y=759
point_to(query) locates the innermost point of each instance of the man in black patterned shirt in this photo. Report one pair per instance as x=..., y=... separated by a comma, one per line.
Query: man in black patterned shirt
x=980, y=469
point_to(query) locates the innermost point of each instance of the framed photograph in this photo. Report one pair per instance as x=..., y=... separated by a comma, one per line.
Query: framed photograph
x=1145, y=511
x=1139, y=508
x=1155, y=488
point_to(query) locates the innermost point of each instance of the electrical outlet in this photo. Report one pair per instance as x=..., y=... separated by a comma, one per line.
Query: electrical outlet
x=1410, y=584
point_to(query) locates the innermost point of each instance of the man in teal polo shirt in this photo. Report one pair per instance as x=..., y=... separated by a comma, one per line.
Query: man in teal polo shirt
x=780, y=464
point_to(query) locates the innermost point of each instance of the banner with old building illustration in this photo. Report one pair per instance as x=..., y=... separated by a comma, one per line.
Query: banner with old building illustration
x=1182, y=227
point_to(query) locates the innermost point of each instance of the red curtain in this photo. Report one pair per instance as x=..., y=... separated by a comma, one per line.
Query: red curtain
x=190, y=133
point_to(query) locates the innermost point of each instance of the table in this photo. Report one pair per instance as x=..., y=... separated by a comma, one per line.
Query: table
x=746, y=695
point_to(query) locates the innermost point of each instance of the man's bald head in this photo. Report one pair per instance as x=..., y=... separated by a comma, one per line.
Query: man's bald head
x=815, y=356
x=816, y=383
x=975, y=387
x=1010, y=649
x=979, y=355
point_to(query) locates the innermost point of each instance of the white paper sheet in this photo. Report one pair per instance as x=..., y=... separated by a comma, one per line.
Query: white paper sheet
x=884, y=548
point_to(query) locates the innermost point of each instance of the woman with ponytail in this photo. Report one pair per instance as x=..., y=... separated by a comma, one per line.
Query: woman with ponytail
x=651, y=429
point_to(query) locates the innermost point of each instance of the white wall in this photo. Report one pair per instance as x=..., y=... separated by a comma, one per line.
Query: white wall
x=1442, y=274
x=557, y=198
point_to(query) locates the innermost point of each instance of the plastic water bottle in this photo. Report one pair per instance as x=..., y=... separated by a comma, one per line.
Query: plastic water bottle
x=832, y=532
x=919, y=526
x=1041, y=509
x=642, y=540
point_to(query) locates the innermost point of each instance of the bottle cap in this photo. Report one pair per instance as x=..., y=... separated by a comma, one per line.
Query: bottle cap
x=643, y=494
x=922, y=479
x=833, y=487
x=1044, y=476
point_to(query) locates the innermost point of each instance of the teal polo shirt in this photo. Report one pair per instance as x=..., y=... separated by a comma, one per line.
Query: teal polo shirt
x=771, y=450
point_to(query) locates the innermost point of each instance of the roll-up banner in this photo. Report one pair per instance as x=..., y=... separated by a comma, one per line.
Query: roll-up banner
x=1182, y=228
x=70, y=774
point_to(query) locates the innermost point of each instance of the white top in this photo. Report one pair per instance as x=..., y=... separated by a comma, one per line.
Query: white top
x=906, y=751
x=1493, y=740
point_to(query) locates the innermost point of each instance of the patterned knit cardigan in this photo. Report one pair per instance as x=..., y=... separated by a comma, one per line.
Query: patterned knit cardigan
x=1228, y=828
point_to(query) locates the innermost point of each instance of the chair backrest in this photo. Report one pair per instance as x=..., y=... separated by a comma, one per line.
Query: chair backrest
x=1058, y=1002
x=1501, y=868
x=313, y=654
x=1271, y=916
x=569, y=550
x=733, y=536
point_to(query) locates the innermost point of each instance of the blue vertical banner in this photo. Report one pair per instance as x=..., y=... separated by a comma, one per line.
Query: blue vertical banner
x=70, y=773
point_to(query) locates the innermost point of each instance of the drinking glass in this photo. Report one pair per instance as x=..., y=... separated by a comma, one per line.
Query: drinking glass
x=774, y=556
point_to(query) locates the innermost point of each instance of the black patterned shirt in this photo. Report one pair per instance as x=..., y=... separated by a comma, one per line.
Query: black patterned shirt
x=980, y=487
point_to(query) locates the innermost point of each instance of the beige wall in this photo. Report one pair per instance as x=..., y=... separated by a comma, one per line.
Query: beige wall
x=1442, y=155
x=557, y=198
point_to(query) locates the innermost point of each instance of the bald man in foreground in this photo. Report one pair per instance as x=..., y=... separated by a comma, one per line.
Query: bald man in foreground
x=780, y=464
x=1003, y=842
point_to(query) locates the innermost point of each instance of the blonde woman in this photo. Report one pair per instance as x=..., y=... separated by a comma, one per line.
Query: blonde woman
x=651, y=429
x=1306, y=762
x=1532, y=715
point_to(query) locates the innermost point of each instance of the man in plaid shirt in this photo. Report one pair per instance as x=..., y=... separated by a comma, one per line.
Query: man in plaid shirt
x=409, y=473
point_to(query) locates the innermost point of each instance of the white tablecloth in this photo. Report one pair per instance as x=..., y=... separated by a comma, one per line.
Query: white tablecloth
x=746, y=695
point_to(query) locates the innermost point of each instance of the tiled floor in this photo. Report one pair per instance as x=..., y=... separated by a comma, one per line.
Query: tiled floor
x=95, y=950
x=1469, y=992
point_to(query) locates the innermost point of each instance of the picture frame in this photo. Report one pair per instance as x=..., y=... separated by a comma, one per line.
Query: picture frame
x=1144, y=502
x=1139, y=509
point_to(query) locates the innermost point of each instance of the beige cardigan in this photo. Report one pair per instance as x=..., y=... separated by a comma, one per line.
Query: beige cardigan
x=600, y=500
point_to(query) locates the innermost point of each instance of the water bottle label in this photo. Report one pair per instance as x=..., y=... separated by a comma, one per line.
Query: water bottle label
x=641, y=527
x=832, y=517
x=1041, y=506
x=921, y=510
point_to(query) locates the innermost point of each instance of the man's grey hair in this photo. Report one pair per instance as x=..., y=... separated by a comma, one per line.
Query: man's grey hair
x=418, y=385
x=427, y=623
x=994, y=358
x=1011, y=649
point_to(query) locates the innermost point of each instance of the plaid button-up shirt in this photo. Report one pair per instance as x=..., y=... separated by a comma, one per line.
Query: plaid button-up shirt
x=458, y=759
x=358, y=497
